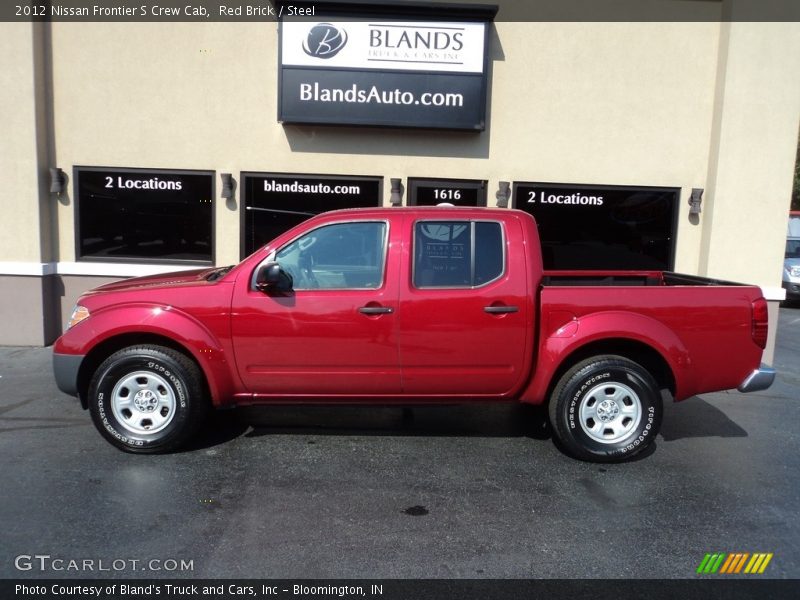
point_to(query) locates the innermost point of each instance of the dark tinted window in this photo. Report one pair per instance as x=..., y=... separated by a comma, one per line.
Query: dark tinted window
x=445, y=255
x=602, y=227
x=144, y=214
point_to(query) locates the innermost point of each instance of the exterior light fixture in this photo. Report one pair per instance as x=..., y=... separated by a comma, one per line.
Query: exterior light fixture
x=396, y=197
x=57, y=181
x=695, y=201
x=503, y=194
x=227, y=185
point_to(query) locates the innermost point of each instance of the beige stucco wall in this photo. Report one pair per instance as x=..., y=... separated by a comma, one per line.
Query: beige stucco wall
x=752, y=149
x=619, y=103
x=19, y=144
x=163, y=95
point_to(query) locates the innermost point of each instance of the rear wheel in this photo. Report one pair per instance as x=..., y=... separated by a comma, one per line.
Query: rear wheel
x=606, y=409
x=147, y=399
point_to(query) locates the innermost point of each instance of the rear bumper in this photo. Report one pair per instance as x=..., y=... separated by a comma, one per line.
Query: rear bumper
x=65, y=369
x=759, y=379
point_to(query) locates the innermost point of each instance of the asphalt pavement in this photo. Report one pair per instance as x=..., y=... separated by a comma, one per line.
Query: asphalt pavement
x=449, y=492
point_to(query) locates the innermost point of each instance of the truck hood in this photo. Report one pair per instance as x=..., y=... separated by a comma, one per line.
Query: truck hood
x=162, y=280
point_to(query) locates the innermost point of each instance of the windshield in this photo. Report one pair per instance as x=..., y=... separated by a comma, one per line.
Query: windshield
x=793, y=248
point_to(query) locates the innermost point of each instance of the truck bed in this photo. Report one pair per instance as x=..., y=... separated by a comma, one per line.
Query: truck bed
x=628, y=278
x=694, y=322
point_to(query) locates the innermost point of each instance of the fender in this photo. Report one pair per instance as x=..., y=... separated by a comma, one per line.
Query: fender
x=607, y=325
x=157, y=319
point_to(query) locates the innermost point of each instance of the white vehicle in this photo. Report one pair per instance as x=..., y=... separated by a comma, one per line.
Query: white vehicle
x=791, y=261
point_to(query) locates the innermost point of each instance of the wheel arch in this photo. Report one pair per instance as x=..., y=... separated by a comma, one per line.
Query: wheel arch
x=639, y=352
x=635, y=350
x=109, y=346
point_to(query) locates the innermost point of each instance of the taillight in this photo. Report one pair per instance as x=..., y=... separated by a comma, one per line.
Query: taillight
x=760, y=322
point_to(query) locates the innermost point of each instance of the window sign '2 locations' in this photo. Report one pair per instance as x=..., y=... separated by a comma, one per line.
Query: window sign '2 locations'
x=384, y=72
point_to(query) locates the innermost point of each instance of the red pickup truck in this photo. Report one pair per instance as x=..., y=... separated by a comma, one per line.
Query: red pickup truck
x=409, y=306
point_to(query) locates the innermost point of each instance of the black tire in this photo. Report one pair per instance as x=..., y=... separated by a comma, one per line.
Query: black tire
x=147, y=399
x=606, y=409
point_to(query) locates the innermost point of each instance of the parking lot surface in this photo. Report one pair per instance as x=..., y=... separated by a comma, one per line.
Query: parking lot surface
x=448, y=492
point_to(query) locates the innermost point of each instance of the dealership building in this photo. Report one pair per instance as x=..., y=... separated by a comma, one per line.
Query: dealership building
x=134, y=146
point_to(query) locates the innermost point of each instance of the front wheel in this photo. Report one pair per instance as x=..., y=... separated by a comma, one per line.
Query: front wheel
x=147, y=399
x=606, y=409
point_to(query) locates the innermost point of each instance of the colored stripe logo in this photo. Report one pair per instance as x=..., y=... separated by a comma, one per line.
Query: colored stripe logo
x=738, y=562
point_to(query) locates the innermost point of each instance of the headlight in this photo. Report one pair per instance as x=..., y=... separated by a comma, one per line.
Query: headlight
x=794, y=271
x=79, y=313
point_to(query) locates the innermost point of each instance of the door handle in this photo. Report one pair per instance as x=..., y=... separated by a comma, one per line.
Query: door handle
x=500, y=310
x=375, y=310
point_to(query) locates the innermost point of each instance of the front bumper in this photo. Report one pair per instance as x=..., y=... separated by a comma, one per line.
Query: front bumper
x=759, y=379
x=65, y=369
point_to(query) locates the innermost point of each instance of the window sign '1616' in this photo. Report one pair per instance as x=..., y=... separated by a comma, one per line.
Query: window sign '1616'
x=460, y=192
x=445, y=194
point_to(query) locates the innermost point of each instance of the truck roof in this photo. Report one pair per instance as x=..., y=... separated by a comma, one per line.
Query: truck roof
x=444, y=211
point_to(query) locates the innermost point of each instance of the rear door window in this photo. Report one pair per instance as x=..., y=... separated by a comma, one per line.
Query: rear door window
x=457, y=254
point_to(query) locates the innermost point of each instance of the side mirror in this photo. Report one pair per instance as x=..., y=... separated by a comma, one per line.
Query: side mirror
x=271, y=278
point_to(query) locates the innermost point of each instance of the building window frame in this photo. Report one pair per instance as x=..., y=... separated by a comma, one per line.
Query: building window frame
x=77, y=170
